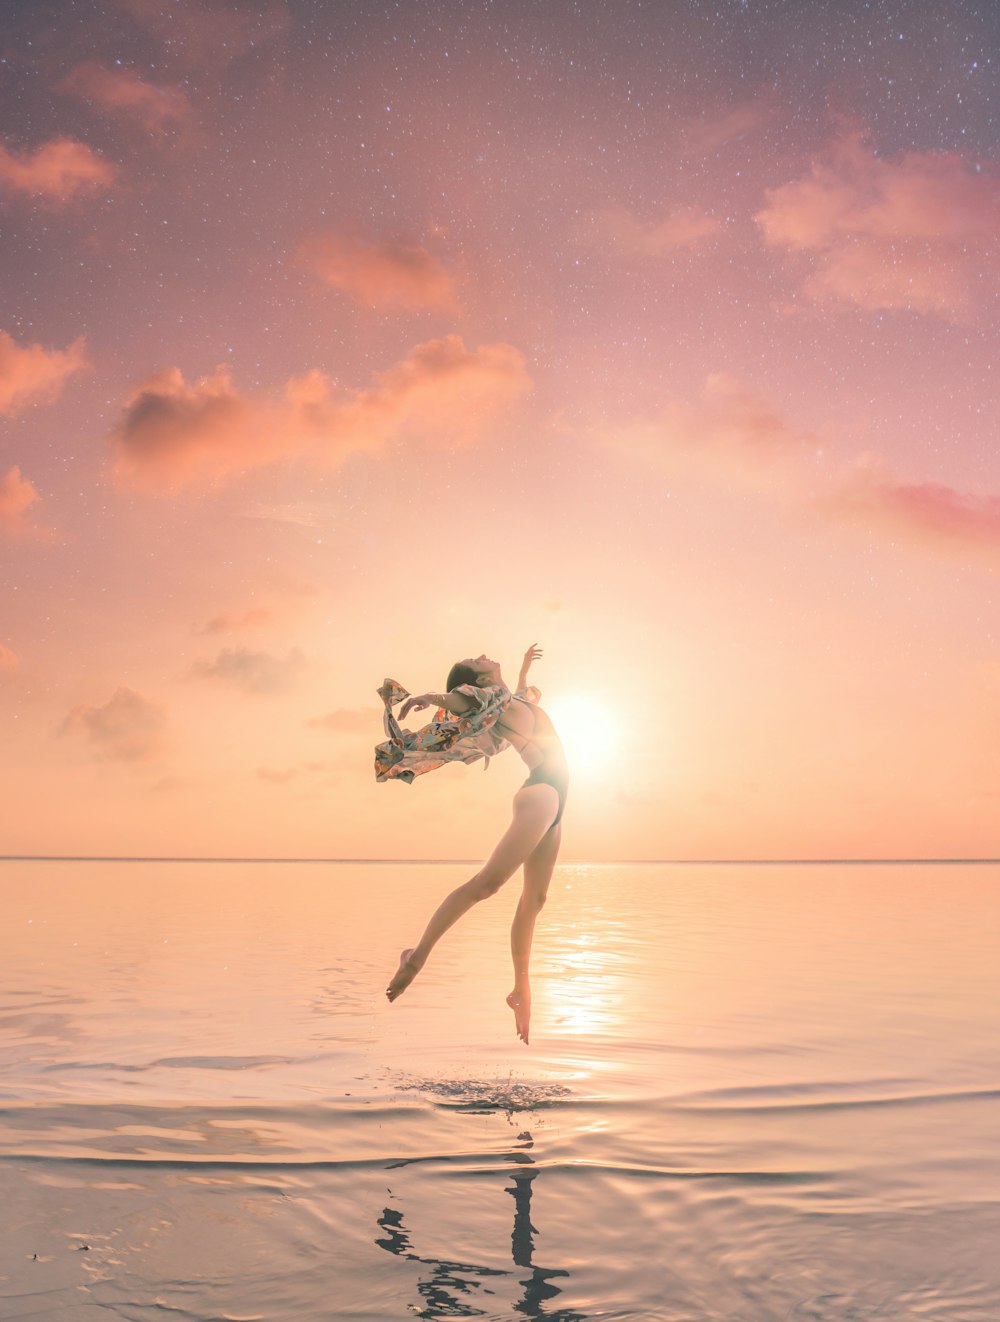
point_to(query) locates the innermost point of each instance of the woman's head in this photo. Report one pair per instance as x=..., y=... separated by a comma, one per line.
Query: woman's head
x=476, y=670
x=460, y=673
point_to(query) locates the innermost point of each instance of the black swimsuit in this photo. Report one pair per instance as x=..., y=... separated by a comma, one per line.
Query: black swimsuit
x=552, y=770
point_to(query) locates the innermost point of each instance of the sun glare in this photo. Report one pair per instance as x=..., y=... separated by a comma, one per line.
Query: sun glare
x=587, y=729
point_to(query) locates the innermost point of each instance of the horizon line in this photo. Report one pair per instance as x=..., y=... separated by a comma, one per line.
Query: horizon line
x=611, y=862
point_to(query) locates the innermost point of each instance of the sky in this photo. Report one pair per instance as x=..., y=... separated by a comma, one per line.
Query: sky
x=341, y=341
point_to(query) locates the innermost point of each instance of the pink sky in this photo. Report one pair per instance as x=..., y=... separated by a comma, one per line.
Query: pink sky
x=338, y=345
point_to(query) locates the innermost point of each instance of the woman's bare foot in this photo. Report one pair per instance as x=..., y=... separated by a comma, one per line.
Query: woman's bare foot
x=404, y=975
x=520, y=1002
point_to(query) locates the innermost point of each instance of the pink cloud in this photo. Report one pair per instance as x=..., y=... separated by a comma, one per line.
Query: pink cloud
x=918, y=231
x=155, y=107
x=17, y=494
x=906, y=277
x=56, y=171
x=680, y=228
x=233, y=621
x=734, y=416
x=930, y=513
x=253, y=672
x=733, y=433
x=128, y=728
x=729, y=429
x=31, y=374
x=707, y=135
x=208, y=34
x=380, y=275
x=175, y=435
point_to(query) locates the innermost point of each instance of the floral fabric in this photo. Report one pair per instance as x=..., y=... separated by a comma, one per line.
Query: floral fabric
x=406, y=754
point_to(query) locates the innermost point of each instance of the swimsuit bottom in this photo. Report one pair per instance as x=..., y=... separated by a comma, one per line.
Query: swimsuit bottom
x=558, y=778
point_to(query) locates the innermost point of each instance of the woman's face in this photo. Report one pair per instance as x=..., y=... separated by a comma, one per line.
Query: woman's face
x=483, y=665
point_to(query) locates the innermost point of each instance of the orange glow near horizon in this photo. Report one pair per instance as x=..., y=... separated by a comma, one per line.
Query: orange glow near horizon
x=339, y=344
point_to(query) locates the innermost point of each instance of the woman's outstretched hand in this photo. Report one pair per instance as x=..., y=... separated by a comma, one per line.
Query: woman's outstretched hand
x=414, y=704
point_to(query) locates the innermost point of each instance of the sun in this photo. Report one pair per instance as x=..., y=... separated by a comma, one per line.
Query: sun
x=587, y=728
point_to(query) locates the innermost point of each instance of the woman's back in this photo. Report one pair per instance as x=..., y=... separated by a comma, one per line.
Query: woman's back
x=529, y=729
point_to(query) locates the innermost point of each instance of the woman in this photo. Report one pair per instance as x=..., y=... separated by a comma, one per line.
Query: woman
x=477, y=717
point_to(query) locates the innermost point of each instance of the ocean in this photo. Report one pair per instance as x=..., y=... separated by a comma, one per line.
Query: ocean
x=753, y=1092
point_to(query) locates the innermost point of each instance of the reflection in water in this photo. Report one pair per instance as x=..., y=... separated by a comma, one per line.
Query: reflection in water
x=441, y=1289
x=446, y=1289
x=537, y=1287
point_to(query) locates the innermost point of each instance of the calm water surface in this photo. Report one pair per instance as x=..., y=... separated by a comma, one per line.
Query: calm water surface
x=753, y=1093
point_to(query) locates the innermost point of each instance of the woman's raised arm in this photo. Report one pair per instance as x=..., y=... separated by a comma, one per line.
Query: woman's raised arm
x=532, y=654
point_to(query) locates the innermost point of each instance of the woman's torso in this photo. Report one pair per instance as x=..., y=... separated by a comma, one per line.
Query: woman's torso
x=529, y=729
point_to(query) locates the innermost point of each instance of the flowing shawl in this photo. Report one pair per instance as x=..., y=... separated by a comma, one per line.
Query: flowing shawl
x=406, y=754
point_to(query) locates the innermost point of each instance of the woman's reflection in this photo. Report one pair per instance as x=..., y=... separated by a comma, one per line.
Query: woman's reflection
x=450, y=1287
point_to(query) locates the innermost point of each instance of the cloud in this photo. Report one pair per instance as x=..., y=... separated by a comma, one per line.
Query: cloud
x=932, y=514
x=32, y=374
x=729, y=429
x=732, y=432
x=174, y=435
x=154, y=107
x=349, y=721
x=207, y=34
x=442, y=393
x=916, y=232
x=253, y=672
x=232, y=621
x=707, y=135
x=9, y=660
x=380, y=275
x=682, y=227
x=128, y=728
x=17, y=494
x=57, y=171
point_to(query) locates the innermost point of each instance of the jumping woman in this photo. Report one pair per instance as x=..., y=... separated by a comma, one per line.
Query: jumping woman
x=476, y=718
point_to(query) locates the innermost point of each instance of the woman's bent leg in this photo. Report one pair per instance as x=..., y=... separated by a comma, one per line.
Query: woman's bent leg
x=538, y=869
x=532, y=814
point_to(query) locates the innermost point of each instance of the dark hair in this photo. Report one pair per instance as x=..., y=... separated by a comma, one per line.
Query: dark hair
x=460, y=673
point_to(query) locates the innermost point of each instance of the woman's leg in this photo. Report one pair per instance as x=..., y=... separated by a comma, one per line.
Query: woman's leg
x=534, y=808
x=537, y=875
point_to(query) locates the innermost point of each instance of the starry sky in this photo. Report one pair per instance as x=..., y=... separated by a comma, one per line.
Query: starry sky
x=343, y=340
